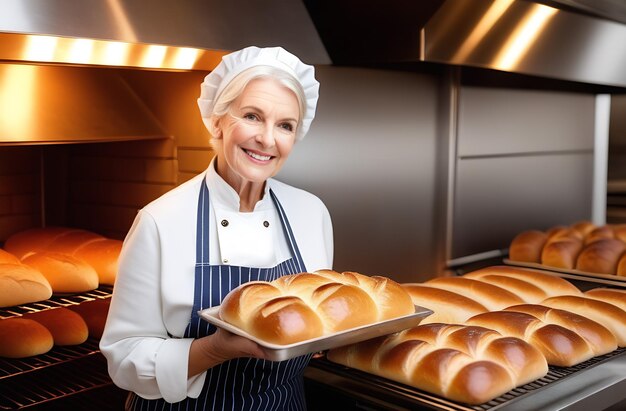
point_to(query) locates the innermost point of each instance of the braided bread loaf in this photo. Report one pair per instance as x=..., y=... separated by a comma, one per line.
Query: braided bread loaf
x=302, y=306
x=564, y=338
x=462, y=363
x=581, y=246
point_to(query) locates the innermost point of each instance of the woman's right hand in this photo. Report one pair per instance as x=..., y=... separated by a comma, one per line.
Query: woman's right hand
x=221, y=346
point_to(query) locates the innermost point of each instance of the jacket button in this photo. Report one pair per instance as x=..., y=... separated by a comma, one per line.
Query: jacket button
x=224, y=223
x=266, y=223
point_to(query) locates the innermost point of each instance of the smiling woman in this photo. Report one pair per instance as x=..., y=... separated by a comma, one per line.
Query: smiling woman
x=229, y=225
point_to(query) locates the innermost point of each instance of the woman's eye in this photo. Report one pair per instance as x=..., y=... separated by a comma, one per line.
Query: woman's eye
x=250, y=116
x=287, y=126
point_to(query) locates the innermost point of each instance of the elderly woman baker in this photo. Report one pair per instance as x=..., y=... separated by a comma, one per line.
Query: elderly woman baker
x=231, y=224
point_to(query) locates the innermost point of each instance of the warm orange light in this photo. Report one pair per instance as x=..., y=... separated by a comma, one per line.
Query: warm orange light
x=523, y=36
x=489, y=19
x=40, y=48
x=80, y=51
x=185, y=58
x=17, y=101
x=114, y=53
x=154, y=56
x=121, y=20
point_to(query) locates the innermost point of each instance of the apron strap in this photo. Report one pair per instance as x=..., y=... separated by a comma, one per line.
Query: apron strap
x=293, y=244
x=202, y=225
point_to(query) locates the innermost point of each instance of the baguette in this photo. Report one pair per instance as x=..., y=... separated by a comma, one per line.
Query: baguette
x=33, y=240
x=490, y=296
x=308, y=305
x=608, y=295
x=21, y=284
x=66, y=274
x=462, y=363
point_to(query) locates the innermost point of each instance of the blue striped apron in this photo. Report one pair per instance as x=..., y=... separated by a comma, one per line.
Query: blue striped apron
x=241, y=383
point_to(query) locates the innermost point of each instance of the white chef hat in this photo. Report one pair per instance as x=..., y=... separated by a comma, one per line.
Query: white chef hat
x=234, y=63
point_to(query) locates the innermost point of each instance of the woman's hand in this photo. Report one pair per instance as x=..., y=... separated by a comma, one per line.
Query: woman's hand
x=221, y=346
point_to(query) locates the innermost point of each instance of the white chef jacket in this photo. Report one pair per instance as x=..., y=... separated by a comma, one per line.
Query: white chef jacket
x=154, y=289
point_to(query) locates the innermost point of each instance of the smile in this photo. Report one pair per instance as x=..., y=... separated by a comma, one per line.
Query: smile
x=257, y=156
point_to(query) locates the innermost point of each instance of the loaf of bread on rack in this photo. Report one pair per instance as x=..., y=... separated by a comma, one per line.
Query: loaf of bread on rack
x=610, y=316
x=462, y=363
x=66, y=274
x=532, y=286
x=66, y=326
x=303, y=306
x=21, y=284
x=583, y=227
x=527, y=246
x=561, y=253
x=447, y=306
x=94, y=313
x=564, y=338
x=21, y=338
x=613, y=296
x=490, y=296
x=102, y=255
x=8, y=258
x=599, y=233
x=69, y=241
x=35, y=239
x=602, y=256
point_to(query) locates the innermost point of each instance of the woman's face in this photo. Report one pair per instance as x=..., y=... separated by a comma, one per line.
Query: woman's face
x=258, y=133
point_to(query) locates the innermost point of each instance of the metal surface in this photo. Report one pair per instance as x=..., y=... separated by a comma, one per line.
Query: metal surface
x=604, y=279
x=561, y=388
x=211, y=26
x=277, y=352
x=51, y=104
x=528, y=38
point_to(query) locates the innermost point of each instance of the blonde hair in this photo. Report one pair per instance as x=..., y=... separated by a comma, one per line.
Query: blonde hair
x=235, y=88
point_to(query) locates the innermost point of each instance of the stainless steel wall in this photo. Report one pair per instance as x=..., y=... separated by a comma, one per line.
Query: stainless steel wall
x=370, y=156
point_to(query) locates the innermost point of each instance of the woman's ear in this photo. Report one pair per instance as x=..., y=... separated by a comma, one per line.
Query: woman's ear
x=217, y=130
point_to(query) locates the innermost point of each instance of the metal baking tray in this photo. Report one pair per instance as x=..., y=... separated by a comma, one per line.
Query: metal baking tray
x=609, y=279
x=277, y=352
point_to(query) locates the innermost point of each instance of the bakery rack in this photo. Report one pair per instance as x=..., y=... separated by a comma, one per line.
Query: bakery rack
x=51, y=381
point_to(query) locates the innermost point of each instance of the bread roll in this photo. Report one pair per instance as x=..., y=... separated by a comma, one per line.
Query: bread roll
x=583, y=227
x=8, y=258
x=303, y=306
x=599, y=233
x=461, y=363
x=601, y=256
x=21, y=338
x=35, y=239
x=562, y=253
x=563, y=233
x=608, y=295
x=102, y=255
x=530, y=284
x=447, y=306
x=70, y=241
x=66, y=326
x=564, y=338
x=490, y=296
x=94, y=313
x=619, y=230
x=527, y=246
x=21, y=284
x=608, y=315
x=66, y=274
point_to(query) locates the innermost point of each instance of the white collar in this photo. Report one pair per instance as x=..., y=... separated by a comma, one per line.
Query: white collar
x=223, y=196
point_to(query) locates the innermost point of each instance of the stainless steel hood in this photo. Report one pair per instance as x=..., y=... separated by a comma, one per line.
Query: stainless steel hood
x=55, y=82
x=528, y=38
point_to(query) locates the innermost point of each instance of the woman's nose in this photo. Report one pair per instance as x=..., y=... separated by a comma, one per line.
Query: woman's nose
x=265, y=135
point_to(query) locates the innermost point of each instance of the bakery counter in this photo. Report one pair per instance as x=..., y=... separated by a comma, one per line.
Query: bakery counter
x=598, y=384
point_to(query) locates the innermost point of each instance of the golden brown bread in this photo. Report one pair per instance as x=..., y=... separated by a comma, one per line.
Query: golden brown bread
x=601, y=256
x=527, y=246
x=530, y=285
x=66, y=274
x=599, y=233
x=583, y=227
x=69, y=241
x=563, y=233
x=8, y=258
x=36, y=239
x=102, y=254
x=303, y=306
x=462, y=363
x=66, y=326
x=621, y=266
x=619, y=230
x=490, y=296
x=608, y=295
x=608, y=315
x=564, y=338
x=21, y=338
x=95, y=315
x=447, y=306
x=21, y=284
x=561, y=253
